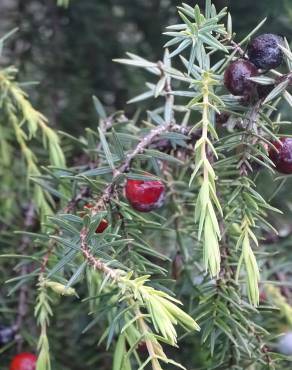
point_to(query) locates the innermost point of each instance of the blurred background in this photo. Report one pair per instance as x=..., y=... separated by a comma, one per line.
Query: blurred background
x=69, y=51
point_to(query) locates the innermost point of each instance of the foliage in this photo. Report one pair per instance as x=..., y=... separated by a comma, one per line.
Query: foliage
x=115, y=287
x=64, y=49
x=21, y=120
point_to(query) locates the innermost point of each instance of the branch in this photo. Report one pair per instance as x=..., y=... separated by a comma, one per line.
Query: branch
x=97, y=264
x=238, y=48
x=29, y=222
x=124, y=167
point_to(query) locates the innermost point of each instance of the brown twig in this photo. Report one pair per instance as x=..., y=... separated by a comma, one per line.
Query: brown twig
x=264, y=349
x=46, y=257
x=238, y=48
x=29, y=223
x=287, y=76
x=250, y=126
x=96, y=263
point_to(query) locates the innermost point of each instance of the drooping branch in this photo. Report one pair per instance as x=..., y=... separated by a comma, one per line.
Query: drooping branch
x=144, y=143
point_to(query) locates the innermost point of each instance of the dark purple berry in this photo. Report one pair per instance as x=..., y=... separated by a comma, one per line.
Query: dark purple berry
x=282, y=157
x=264, y=51
x=236, y=78
x=7, y=334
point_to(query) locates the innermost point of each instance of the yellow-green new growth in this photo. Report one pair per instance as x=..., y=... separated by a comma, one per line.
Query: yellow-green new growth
x=27, y=122
x=248, y=257
x=207, y=201
x=60, y=288
x=162, y=312
x=161, y=307
x=43, y=312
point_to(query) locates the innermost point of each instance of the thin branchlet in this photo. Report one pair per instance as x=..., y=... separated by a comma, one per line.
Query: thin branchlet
x=97, y=264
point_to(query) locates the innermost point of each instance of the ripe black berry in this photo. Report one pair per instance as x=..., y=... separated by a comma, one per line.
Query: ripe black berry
x=282, y=157
x=264, y=51
x=236, y=78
